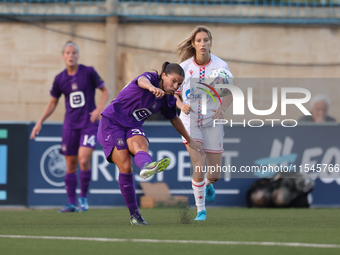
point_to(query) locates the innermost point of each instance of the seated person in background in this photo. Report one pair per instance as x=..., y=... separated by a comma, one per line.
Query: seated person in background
x=284, y=190
x=319, y=108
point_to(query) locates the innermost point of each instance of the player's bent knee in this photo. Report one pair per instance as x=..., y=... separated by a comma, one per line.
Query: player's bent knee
x=213, y=180
x=125, y=167
x=138, y=146
x=84, y=164
x=198, y=179
x=71, y=167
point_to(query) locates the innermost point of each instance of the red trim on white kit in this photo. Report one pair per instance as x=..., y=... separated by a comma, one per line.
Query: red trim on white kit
x=198, y=185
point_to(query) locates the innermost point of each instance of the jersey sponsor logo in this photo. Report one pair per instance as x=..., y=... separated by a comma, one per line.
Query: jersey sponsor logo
x=187, y=93
x=74, y=86
x=77, y=99
x=141, y=114
x=191, y=72
x=191, y=95
x=53, y=166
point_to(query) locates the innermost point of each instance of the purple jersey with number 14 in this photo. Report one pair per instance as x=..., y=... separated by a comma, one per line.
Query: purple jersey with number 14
x=79, y=90
x=134, y=105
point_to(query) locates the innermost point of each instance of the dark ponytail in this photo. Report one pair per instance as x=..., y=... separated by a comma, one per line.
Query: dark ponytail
x=170, y=68
x=165, y=64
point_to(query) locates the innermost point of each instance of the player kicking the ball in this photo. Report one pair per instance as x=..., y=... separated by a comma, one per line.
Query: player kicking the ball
x=121, y=134
x=198, y=62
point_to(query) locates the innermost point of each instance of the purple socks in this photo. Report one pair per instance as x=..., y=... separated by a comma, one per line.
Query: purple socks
x=70, y=186
x=126, y=184
x=127, y=187
x=85, y=178
x=141, y=158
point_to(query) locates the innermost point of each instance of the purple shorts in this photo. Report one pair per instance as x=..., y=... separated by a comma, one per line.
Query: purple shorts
x=72, y=139
x=111, y=134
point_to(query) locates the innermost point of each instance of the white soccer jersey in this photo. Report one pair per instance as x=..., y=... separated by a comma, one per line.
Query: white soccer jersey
x=192, y=96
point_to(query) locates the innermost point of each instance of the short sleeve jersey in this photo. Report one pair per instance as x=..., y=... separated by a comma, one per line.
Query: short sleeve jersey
x=134, y=105
x=79, y=91
x=192, y=97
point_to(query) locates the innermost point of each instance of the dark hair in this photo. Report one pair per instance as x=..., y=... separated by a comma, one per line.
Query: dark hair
x=170, y=68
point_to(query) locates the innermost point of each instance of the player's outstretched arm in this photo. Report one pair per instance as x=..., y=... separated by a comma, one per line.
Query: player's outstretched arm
x=47, y=112
x=144, y=83
x=178, y=125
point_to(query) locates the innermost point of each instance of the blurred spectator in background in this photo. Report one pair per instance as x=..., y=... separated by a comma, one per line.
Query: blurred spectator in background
x=283, y=190
x=319, y=106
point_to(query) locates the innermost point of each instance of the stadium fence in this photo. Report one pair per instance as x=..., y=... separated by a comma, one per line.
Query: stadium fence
x=213, y=11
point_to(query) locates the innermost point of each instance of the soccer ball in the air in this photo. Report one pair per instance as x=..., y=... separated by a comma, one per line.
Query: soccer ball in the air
x=220, y=76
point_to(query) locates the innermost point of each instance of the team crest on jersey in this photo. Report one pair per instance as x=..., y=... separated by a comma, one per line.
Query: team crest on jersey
x=191, y=72
x=154, y=106
x=74, y=86
x=120, y=141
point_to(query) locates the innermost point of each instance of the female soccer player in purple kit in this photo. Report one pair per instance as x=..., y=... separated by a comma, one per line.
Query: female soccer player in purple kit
x=78, y=84
x=121, y=134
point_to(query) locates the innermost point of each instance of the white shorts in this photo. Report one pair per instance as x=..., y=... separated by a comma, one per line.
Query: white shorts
x=210, y=137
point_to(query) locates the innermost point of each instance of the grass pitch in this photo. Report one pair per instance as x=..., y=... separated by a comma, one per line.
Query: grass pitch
x=311, y=226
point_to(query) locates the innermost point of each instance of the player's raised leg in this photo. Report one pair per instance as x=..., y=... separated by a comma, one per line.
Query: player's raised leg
x=139, y=147
x=149, y=169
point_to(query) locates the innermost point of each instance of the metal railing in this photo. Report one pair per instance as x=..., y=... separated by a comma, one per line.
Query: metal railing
x=84, y=8
x=217, y=11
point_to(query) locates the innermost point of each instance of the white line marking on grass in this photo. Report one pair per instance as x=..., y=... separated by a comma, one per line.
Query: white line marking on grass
x=308, y=245
x=151, y=139
x=138, y=191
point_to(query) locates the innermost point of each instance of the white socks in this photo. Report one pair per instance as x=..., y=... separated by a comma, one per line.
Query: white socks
x=199, y=193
